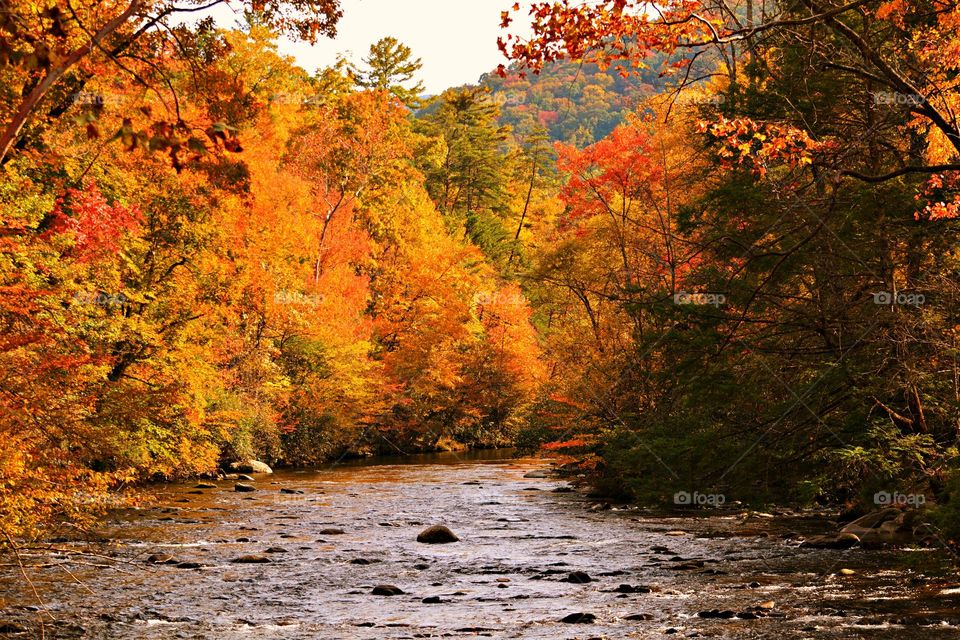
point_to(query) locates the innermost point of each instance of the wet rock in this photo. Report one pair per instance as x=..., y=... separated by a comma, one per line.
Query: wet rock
x=386, y=590
x=578, y=577
x=437, y=534
x=838, y=541
x=890, y=526
x=629, y=588
x=564, y=489
x=11, y=627
x=432, y=600
x=276, y=550
x=717, y=613
x=332, y=531
x=579, y=618
x=162, y=558
x=205, y=485
x=244, y=477
x=244, y=488
x=847, y=572
x=361, y=561
x=254, y=558
x=291, y=491
x=536, y=474
x=189, y=565
x=250, y=466
x=639, y=616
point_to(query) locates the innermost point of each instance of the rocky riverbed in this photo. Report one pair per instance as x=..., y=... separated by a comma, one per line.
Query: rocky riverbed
x=333, y=553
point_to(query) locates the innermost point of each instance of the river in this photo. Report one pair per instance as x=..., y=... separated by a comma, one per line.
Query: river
x=522, y=535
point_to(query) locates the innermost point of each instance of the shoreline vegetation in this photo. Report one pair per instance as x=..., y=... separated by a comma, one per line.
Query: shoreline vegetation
x=703, y=258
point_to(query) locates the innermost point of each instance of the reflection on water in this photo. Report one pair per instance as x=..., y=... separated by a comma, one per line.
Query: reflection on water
x=330, y=535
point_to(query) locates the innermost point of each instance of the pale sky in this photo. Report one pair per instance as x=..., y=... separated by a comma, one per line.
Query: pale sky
x=456, y=39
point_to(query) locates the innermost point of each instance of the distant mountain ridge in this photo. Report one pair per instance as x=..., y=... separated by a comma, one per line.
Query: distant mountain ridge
x=572, y=102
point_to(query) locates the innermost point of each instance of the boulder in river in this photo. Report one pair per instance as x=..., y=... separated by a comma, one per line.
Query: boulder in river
x=841, y=540
x=578, y=577
x=205, y=485
x=250, y=466
x=386, y=590
x=254, y=558
x=244, y=488
x=331, y=531
x=162, y=558
x=579, y=618
x=891, y=526
x=437, y=534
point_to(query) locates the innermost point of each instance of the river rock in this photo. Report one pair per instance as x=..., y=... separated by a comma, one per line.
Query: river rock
x=890, y=526
x=276, y=550
x=437, y=534
x=579, y=618
x=332, y=531
x=250, y=466
x=254, y=558
x=244, y=488
x=162, y=558
x=205, y=485
x=639, y=616
x=291, y=491
x=717, y=613
x=843, y=540
x=432, y=600
x=629, y=588
x=189, y=565
x=11, y=627
x=578, y=577
x=386, y=590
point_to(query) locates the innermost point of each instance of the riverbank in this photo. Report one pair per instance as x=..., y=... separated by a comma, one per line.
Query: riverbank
x=531, y=553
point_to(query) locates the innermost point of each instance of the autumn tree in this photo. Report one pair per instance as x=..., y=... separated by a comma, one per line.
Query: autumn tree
x=49, y=54
x=390, y=66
